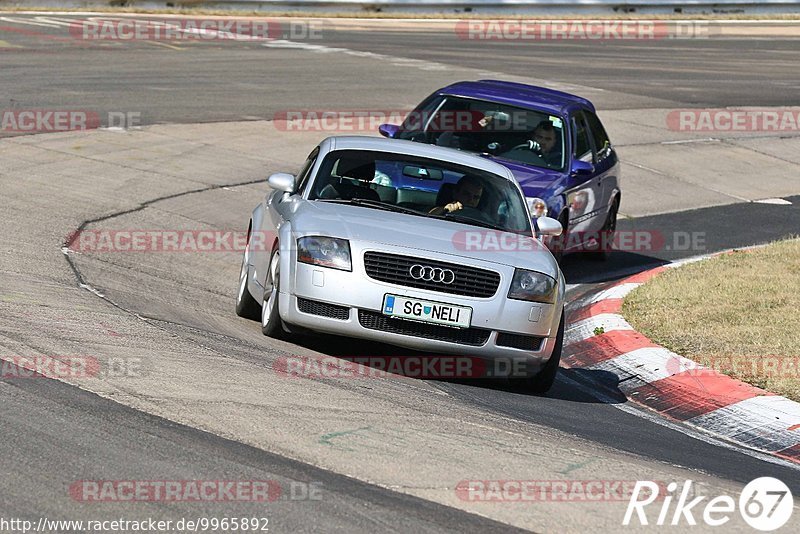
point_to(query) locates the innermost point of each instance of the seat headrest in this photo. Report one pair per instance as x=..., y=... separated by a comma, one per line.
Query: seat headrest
x=356, y=168
x=445, y=195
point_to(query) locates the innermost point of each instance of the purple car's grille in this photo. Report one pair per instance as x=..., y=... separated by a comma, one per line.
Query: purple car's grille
x=464, y=336
x=396, y=269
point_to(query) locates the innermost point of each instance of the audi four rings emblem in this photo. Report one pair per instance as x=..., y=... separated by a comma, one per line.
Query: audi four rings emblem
x=432, y=274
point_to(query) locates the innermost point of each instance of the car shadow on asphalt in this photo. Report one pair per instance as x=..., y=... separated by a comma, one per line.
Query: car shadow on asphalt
x=573, y=385
x=582, y=268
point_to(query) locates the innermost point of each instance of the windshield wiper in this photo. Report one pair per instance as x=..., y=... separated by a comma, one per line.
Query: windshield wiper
x=468, y=220
x=372, y=204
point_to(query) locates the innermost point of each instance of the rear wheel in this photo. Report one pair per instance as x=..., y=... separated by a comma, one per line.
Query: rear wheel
x=542, y=381
x=246, y=305
x=271, y=324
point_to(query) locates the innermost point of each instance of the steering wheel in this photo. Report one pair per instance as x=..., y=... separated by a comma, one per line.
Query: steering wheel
x=472, y=213
x=531, y=145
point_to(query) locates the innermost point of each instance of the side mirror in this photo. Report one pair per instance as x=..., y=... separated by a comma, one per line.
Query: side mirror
x=580, y=168
x=549, y=226
x=388, y=130
x=282, y=181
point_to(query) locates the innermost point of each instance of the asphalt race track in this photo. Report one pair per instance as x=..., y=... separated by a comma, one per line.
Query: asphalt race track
x=197, y=395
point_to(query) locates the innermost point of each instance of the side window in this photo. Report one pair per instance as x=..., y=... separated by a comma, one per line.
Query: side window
x=601, y=143
x=582, y=148
x=305, y=172
x=416, y=121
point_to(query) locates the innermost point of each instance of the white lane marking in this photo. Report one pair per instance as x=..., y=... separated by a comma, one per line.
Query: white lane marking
x=760, y=422
x=619, y=291
x=32, y=22
x=686, y=430
x=585, y=328
x=421, y=64
x=689, y=141
x=775, y=201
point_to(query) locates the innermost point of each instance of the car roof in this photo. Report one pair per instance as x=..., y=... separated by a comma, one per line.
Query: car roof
x=422, y=150
x=519, y=94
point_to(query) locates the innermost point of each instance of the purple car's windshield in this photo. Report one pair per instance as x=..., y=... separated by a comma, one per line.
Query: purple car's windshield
x=421, y=187
x=522, y=135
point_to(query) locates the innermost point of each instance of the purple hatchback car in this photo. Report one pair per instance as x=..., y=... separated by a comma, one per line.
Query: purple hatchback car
x=552, y=141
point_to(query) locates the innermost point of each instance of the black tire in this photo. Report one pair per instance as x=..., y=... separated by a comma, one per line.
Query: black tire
x=246, y=305
x=271, y=323
x=558, y=244
x=607, y=234
x=542, y=381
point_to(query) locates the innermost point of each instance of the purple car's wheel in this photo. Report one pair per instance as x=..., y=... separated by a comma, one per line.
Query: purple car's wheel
x=607, y=234
x=558, y=244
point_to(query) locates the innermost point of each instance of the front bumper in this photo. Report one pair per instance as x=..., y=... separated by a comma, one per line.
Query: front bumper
x=350, y=303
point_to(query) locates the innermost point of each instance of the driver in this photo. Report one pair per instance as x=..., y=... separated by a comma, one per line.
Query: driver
x=467, y=194
x=545, y=135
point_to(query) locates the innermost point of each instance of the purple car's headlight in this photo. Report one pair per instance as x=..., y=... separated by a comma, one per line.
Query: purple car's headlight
x=325, y=251
x=537, y=206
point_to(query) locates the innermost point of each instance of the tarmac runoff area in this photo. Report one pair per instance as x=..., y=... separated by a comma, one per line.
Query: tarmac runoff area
x=202, y=366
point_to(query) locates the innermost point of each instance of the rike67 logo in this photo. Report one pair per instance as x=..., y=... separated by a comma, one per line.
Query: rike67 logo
x=765, y=504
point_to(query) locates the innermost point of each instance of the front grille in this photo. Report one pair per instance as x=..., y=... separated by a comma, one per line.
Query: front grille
x=464, y=336
x=469, y=281
x=325, y=310
x=518, y=341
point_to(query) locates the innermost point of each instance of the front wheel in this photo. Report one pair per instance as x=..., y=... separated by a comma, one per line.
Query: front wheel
x=559, y=243
x=606, y=240
x=542, y=381
x=246, y=305
x=271, y=324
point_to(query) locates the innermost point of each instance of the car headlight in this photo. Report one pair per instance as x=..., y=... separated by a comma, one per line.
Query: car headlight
x=537, y=206
x=532, y=286
x=325, y=251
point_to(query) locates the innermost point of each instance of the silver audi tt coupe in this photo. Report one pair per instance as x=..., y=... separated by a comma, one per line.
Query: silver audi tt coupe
x=414, y=245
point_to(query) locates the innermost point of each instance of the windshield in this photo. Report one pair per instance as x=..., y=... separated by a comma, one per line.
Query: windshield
x=523, y=135
x=421, y=187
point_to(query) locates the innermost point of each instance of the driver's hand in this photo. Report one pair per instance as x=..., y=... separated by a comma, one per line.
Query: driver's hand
x=453, y=206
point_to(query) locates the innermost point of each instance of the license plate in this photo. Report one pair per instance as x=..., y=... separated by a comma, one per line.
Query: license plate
x=427, y=311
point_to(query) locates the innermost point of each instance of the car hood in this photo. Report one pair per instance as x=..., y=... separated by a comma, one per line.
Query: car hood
x=533, y=180
x=422, y=234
